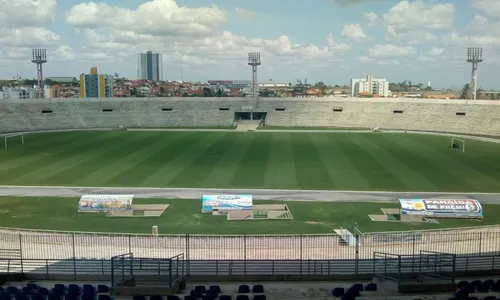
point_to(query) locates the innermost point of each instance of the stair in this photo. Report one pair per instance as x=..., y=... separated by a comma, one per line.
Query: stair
x=248, y=125
x=346, y=237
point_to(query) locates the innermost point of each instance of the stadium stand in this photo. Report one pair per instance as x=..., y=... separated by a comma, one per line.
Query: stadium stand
x=457, y=116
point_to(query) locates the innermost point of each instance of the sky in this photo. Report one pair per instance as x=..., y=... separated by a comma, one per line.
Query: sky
x=319, y=40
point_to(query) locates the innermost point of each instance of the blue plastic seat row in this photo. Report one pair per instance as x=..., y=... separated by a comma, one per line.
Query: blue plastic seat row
x=353, y=290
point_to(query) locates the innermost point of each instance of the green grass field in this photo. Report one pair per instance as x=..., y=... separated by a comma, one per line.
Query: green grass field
x=184, y=216
x=301, y=160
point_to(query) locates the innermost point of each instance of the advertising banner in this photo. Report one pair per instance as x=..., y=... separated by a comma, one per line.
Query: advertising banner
x=442, y=208
x=226, y=202
x=105, y=203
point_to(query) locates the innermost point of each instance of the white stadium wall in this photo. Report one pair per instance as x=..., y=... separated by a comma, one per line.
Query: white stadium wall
x=459, y=116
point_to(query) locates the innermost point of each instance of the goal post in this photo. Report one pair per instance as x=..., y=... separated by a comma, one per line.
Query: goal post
x=457, y=143
x=7, y=137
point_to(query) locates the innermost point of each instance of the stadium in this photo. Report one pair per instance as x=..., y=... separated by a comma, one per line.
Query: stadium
x=338, y=166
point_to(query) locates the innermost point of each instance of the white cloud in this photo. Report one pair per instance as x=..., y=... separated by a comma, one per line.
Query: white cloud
x=435, y=51
x=491, y=8
x=157, y=17
x=26, y=13
x=390, y=51
x=478, y=23
x=354, y=32
x=27, y=37
x=418, y=15
x=409, y=37
x=371, y=18
x=246, y=14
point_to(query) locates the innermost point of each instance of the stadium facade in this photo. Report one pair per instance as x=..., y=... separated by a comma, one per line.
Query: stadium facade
x=453, y=116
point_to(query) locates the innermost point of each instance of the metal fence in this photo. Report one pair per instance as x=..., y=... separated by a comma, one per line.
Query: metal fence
x=49, y=269
x=74, y=245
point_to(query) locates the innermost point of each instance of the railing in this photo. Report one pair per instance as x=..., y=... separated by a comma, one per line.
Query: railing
x=74, y=245
x=47, y=268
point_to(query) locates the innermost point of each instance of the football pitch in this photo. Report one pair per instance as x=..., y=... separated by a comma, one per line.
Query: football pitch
x=183, y=216
x=275, y=160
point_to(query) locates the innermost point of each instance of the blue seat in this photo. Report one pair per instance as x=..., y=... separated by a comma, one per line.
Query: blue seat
x=173, y=297
x=102, y=289
x=371, y=287
x=71, y=296
x=195, y=294
x=208, y=297
x=490, y=298
x=462, y=284
x=483, y=288
x=243, y=289
x=36, y=296
x=358, y=286
x=189, y=297
x=258, y=289
x=225, y=297
x=215, y=288
x=104, y=297
x=59, y=287
x=4, y=295
x=338, y=292
x=32, y=286
x=242, y=297
x=476, y=282
x=20, y=297
x=259, y=297
x=43, y=291
x=12, y=290
x=138, y=297
x=54, y=296
x=88, y=296
x=212, y=294
x=156, y=297
x=201, y=289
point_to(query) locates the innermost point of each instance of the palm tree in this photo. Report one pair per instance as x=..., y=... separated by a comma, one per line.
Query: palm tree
x=466, y=91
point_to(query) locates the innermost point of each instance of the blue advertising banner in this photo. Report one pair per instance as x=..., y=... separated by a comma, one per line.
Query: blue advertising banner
x=442, y=208
x=226, y=202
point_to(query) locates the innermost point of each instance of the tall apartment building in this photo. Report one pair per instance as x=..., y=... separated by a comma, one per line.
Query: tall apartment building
x=96, y=85
x=369, y=86
x=149, y=66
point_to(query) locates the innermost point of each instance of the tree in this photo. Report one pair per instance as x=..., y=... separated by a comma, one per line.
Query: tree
x=466, y=91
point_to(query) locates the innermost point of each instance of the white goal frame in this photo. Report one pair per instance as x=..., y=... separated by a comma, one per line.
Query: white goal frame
x=454, y=139
x=11, y=136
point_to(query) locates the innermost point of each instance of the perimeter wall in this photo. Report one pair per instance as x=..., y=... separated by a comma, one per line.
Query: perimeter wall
x=457, y=116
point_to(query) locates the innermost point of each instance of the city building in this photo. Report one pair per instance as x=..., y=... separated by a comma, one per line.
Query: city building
x=149, y=66
x=272, y=84
x=369, y=86
x=13, y=93
x=96, y=85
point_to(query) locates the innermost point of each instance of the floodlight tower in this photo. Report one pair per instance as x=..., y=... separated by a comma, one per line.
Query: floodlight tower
x=39, y=58
x=474, y=56
x=254, y=61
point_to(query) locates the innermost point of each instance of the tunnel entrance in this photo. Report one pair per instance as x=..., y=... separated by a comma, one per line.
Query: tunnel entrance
x=250, y=115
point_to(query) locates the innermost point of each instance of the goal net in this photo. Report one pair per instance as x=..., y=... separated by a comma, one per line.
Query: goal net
x=19, y=136
x=458, y=144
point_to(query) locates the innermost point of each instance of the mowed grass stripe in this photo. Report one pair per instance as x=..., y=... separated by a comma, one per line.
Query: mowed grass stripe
x=112, y=163
x=310, y=170
x=252, y=168
x=374, y=171
x=48, y=158
x=418, y=159
x=140, y=170
x=93, y=162
x=225, y=168
x=55, y=173
x=397, y=162
x=200, y=168
x=37, y=149
x=333, y=150
x=454, y=159
x=281, y=173
x=446, y=172
x=180, y=157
